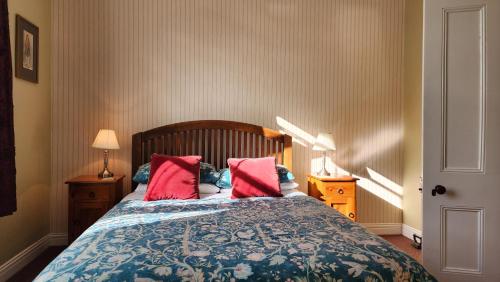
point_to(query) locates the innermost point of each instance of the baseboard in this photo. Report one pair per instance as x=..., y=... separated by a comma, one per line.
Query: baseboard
x=20, y=260
x=408, y=231
x=58, y=239
x=23, y=258
x=384, y=228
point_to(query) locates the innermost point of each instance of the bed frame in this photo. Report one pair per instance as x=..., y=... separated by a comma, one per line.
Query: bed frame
x=214, y=140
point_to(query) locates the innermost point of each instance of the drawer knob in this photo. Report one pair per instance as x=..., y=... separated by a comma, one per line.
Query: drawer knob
x=351, y=215
x=340, y=191
x=92, y=195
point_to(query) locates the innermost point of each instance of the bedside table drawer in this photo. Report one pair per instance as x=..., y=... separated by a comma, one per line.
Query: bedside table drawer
x=89, y=198
x=347, y=210
x=336, y=192
x=347, y=207
x=339, y=190
x=83, y=215
x=90, y=193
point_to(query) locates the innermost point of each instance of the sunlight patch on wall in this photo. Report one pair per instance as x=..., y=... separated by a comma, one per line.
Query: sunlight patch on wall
x=295, y=140
x=299, y=135
x=380, y=191
x=386, y=182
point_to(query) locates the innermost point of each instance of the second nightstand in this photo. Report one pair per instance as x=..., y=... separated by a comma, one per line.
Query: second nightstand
x=89, y=198
x=336, y=192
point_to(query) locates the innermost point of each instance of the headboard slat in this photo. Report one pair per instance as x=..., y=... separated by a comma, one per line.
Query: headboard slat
x=262, y=143
x=214, y=140
x=222, y=163
x=239, y=138
x=197, y=142
x=253, y=148
x=210, y=149
x=245, y=144
x=216, y=148
x=228, y=144
x=279, y=156
x=168, y=144
x=233, y=142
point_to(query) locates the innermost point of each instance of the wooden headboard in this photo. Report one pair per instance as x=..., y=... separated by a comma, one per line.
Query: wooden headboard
x=214, y=140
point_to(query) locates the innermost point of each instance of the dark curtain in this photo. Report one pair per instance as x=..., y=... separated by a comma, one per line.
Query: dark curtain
x=7, y=149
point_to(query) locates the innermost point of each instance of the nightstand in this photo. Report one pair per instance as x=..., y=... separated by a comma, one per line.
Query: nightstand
x=336, y=192
x=89, y=198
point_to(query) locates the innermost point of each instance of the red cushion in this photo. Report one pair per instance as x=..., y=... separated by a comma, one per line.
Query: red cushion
x=173, y=178
x=254, y=178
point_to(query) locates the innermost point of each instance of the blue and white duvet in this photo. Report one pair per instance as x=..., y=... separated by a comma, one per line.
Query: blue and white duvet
x=265, y=239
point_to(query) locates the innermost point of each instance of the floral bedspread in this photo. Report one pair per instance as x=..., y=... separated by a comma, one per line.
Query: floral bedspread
x=280, y=239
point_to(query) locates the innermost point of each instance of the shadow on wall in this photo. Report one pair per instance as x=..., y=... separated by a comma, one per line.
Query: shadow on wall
x=375, y=183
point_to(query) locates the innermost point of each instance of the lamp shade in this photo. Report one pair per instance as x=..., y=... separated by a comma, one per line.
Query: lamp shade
x=324, y=142
x=106, y=139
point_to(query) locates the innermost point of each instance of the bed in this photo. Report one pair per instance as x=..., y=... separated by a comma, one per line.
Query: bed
x=215, y=238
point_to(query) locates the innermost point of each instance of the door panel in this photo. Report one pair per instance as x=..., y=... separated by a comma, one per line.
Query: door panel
x=461, y=139
x=470, y=240
x=463, y=93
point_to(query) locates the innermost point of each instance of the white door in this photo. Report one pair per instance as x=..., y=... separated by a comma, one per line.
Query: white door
x=461, y=227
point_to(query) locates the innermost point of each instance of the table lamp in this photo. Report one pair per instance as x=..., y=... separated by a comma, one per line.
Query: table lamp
x=106, y=139
x=324, y=142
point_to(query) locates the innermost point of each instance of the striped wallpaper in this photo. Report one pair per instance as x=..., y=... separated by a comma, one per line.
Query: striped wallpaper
x=323, y=65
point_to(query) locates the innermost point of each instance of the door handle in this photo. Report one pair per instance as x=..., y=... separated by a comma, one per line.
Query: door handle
x=439, y=189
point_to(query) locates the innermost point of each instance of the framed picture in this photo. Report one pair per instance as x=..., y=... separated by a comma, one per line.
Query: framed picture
x=26, y=50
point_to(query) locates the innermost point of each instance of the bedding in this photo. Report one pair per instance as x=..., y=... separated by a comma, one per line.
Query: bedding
x=256, y=177
x=142, y=188
x=224, y=180
x=208, y=173
x=284, y=174
x=206, y=188
x=142, y=174
x=173, y=177
x=288, y=186
x=213, y=189
x=138, y=194
x=256, y=239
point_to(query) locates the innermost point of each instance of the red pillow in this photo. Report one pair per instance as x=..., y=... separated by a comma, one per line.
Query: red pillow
x=173, y=178
x=254, y=178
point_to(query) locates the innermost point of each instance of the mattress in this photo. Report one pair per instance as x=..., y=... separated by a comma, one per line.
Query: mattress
x=219, y=239
x=138, y=195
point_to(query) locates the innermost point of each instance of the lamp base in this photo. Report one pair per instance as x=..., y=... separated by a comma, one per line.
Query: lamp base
x=323, y=172
x=105, y=173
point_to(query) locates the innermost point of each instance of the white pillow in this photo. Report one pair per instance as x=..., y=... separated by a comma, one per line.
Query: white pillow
x=285, y=186
x=206, y=188
x=141, y=188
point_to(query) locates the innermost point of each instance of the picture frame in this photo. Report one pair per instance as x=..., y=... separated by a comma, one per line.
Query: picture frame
x=27, y=44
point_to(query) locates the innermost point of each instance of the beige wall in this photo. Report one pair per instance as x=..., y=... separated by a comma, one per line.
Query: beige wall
x=412, y=200
x=32, y=129
x=326, y=65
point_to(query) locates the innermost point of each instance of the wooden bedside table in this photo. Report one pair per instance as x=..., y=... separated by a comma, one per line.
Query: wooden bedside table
x=336, y=192
x=89, y=198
